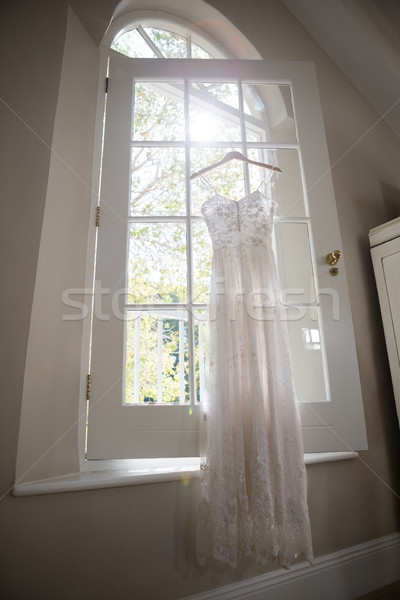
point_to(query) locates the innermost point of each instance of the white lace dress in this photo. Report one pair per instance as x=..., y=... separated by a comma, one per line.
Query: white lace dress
x=253, y=481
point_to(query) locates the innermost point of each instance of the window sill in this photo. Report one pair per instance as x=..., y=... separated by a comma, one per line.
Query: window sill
x=101, y=474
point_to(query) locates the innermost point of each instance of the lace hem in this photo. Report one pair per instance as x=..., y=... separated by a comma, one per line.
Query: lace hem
x=233, y=528
x=286, y=543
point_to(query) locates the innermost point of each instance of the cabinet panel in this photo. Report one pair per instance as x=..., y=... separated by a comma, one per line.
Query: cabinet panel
x=386, y=261
x=391, y=270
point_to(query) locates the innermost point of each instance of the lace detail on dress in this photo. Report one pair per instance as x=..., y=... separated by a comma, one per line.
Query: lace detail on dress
x=253, y=480
x=246, y=221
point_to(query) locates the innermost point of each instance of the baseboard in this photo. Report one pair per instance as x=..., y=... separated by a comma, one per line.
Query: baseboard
x=343, y=575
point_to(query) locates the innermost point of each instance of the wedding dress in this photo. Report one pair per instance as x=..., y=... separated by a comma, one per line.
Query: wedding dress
x=253, y=481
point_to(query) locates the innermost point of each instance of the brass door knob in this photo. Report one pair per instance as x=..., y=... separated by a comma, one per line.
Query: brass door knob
x=334, y=257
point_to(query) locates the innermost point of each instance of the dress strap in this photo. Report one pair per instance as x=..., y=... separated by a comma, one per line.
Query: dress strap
x=266, y=180
x=208, y=184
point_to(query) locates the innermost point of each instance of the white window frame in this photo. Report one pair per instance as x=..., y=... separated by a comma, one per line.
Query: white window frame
x=336, y=426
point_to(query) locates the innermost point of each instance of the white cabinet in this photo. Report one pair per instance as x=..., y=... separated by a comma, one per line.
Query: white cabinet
x=385, y=252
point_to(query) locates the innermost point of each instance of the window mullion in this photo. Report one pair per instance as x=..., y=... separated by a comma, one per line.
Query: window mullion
x=201, y=361
x=273, y=145
x=189, y=250
x=243, y=136
x=213, y=144
x=136, y=386
x=181, y=362
x=160, y=219
x=160, y=341
x=164, y=306
x=150, y=42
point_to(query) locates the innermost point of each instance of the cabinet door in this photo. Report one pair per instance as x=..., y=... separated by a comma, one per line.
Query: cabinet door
x=386, y=260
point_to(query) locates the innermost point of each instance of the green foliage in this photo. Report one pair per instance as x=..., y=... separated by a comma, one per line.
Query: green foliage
x=132, y=44
x=148, y=328
x=170, y=44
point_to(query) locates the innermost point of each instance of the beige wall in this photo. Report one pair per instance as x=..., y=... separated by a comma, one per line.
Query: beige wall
x=53, y=377
x=126, y=543
x=28, y=92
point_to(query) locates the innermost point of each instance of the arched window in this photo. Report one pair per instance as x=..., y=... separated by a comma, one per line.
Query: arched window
x=154, y=42
x=164, y=119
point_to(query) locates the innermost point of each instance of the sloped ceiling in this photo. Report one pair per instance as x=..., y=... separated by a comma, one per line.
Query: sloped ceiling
x=363, y=38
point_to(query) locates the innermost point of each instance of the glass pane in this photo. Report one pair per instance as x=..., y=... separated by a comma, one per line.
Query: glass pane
x=157, y=363
x=269, y=113
x=198, y=52
x=227, y=180
x=132, y=44
x=169, y=44
x=214, y=112
x=306, y=345
x=286, y=188
x=201, y=263
x=158, y=181
x=294, y=262
x=158, y=112
x=157, y=263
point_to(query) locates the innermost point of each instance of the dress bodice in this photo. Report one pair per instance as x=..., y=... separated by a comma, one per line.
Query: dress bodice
x=232, y=223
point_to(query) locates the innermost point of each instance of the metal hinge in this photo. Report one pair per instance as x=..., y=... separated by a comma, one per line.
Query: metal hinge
x=106, y=88
x=97, y=216
x=88, y=386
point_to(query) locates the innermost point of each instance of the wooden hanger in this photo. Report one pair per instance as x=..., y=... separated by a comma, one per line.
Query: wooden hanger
x=234, y=154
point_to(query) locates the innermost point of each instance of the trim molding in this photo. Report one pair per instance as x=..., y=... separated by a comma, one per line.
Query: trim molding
x=344, y=575
x=385, y=232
